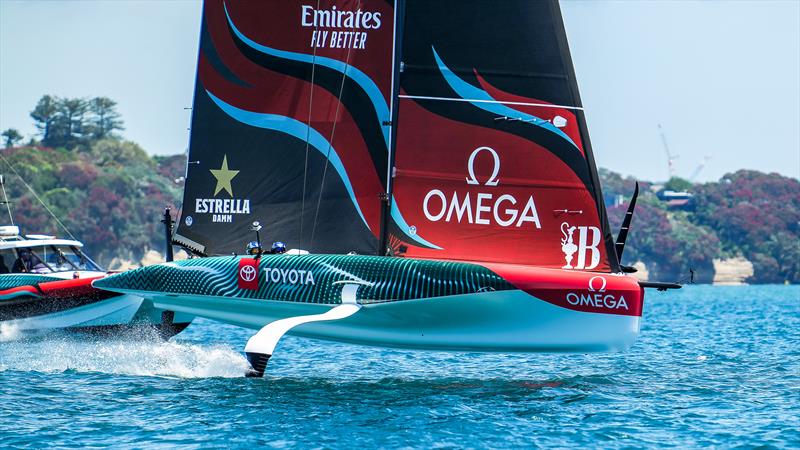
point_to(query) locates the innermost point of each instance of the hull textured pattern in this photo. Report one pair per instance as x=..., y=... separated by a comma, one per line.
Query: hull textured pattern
x=312, y=278
x=8, y=281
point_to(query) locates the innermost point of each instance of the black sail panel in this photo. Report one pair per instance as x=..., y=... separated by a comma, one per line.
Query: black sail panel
x=289, y=126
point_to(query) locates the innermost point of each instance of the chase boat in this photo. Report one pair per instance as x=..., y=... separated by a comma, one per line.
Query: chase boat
x=433, y=158
x=46, y=283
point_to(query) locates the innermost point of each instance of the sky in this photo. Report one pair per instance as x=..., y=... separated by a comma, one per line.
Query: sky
x=722, y=78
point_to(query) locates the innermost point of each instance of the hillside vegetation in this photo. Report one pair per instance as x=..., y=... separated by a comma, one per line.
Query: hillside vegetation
x=746, y=213
x=110, y=195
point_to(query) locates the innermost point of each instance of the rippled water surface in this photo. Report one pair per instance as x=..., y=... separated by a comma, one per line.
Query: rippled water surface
x=714, y=366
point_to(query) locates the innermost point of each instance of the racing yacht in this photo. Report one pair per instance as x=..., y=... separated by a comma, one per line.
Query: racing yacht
x=432, y=157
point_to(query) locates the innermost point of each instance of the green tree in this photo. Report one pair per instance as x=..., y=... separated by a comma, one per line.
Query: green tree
x=45, y=114
x=678, y=184
x=11, y=137
x=698, y=247
x=71, y=122
x=105, y=119
x=122, y=154
x=73, y=112
x=61, y=121
x=778, y=259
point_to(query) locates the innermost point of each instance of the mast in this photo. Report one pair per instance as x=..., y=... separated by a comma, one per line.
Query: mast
x=397, y=66
x=191, y=246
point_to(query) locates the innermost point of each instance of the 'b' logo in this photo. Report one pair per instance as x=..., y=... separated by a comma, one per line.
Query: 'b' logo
x=586, y=246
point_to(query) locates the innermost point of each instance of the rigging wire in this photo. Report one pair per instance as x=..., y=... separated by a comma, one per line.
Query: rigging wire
x=308, y=136
x=687, y=278
x=5, y=199
x=13, y=169
x=333, y=131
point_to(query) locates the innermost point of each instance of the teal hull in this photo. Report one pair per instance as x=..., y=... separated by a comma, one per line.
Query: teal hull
x=404, y=303
x=488, y=322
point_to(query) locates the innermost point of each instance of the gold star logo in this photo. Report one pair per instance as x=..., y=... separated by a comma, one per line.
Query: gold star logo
x=224, y=177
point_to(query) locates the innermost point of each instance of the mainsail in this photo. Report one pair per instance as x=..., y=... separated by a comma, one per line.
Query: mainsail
x=444, y=130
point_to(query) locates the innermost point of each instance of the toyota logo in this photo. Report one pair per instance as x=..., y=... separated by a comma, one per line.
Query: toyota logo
x=247, y=273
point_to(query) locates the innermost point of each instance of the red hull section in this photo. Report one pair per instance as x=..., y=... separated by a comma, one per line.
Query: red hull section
x=78, y=287
x=64, y=289
x=48, y=297
x=579, y=291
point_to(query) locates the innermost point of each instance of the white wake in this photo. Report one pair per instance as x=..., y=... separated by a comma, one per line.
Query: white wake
x=117, y=356
x=9, y=332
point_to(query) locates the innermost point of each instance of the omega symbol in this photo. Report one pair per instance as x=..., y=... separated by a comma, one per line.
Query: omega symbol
x=592, y=284
x=492, y=181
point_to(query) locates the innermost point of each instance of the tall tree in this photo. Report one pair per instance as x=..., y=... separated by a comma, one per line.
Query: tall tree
x=11, y=137
x=73, y=111
x=106, y=120
x=45, y=114
x=62, y=121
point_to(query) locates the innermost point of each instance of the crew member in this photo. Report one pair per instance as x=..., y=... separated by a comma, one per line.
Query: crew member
x=278, y=247
x=24, y=263
x=253, y=248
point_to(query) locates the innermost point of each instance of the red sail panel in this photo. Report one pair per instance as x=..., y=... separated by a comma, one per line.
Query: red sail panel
x=290, y=125
x=492, y=160
x=487, y=195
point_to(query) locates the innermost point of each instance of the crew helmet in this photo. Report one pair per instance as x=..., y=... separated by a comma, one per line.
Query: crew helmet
x=278, y=247
x=253, y=248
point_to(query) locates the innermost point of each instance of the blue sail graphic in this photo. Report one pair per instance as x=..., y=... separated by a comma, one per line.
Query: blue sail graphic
x=298, y=130
x=469, y=92
x=364, y=81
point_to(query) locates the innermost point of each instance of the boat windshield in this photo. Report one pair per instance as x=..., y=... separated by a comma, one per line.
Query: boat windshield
x=45, y=259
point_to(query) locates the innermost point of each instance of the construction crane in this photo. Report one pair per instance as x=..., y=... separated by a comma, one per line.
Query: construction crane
x=699, y=168
x=670, y=157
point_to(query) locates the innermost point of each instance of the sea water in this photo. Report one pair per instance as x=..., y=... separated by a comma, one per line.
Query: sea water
x=714, y=366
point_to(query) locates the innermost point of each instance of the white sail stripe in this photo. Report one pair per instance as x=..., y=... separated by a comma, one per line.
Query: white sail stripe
x=544, y=105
